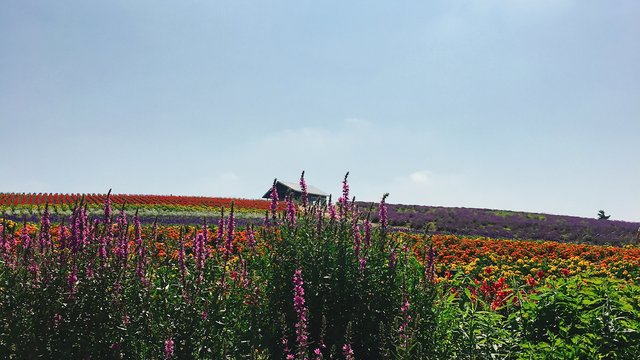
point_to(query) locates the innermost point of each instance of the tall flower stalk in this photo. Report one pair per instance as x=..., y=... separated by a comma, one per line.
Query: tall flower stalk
x=168, y=348
x=305, y=194
x=141, y=259
x=182, y=264
x=291, y=211
x=45, y=231
x=220, y=232
x=403, y=330
x=302, y=335
x=274, y=203
x=231, y=228
x=384, y=221
x=343, y=202
x=251, y=238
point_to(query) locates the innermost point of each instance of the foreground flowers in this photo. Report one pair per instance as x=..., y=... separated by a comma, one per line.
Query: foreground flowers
x=316, y=282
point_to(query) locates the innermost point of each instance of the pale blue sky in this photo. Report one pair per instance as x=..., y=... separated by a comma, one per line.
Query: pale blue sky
x=529, y=105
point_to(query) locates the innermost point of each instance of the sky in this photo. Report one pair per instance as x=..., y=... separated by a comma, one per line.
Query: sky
x=524, y=105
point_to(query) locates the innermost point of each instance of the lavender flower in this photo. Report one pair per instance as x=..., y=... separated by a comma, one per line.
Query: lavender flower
x=245, y=281
x=168, y=348
x=251, y=238
x=406, y=319
x=363, y=263
x=107, y=208
x=266, y=223
x=357, y=239
x=108, y=228
x=230, y=233
x=62, y=231
x=305, y=194
x=9, y=244
x=3, y=245
x=274, y=202
x=45, y=228
x=291, y=211
x=182, y=261
x=220, y=228
x=319, y=220
x=102, y=248
x=392, y=259
x=383, y=214
x=72, y=280
x=2, y=237
x=123, y=241
x=343, y=202
x=34, y=269
x=205, y=230
x=25, y=238
x=367, y=233
x=332, y=210
x=430, y=266
x=347, y=352
x=141, y=270
x=86, y=226
x=285, y=348
x=89, y=271
x=200, y=255
x=302, y=336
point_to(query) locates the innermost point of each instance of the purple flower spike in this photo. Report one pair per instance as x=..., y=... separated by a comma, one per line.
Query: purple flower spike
x=266, y=223
x=302, y=336
x=392, y=259
x=231, y=227
x=72, y=280
x=357, y=239
x=251, y=238
x=291, y=211
x=367, y=233
x=363, y=263
x=168, y=348
x=347, y=352
x=332, y=210
x=141, y=263
x=107, y=208
x=343, y=202
x=220, y=228
x=383, y=214
x=45, y=228
x=182, y=263
x=274, y=202
x=205, y=231
x=200, y=255
x=305, y=194
x=25, y=238
x=404, y=327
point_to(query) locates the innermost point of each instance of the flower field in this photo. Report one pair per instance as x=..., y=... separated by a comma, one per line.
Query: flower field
x=512, y=225
x=306, y=281
x=166, y=210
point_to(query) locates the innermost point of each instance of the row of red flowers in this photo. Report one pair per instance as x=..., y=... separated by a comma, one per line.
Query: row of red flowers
x=8, y=199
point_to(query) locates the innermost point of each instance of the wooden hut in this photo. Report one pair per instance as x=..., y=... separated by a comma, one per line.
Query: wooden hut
x=284, y=188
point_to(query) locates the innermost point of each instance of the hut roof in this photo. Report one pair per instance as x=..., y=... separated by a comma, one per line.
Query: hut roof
x=311, y=190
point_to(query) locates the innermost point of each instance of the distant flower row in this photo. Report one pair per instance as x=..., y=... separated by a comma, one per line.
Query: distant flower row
x=9, y=199
x=510, y=225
